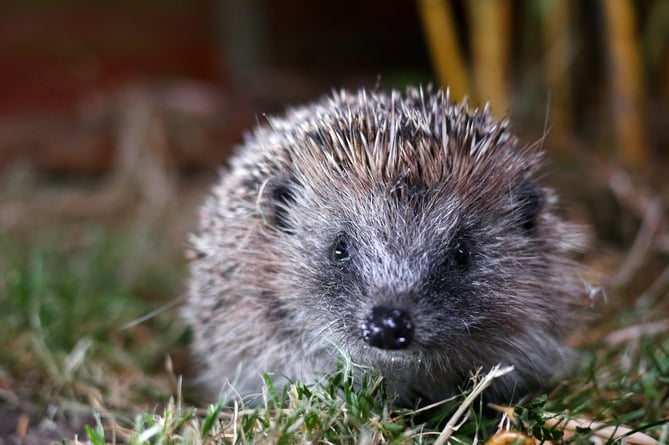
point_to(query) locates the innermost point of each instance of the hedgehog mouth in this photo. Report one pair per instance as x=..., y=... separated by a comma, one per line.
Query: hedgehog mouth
x=391, y=361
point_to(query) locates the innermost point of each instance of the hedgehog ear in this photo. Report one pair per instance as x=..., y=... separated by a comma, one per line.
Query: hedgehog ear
x=528, y=202
x=281, y=193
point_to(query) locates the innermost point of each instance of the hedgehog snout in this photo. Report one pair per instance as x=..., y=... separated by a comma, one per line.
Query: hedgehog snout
x=387, y=327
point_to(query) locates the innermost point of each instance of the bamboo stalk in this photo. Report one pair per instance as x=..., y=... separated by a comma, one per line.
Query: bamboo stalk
x=625, y=81
x=555, y=18
x=445, y=52
x=491, y=38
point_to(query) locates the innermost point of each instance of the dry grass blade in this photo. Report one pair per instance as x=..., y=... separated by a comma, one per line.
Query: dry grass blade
x=643, y=244
x=633, y=332
x=601, y=430
x=451, y=426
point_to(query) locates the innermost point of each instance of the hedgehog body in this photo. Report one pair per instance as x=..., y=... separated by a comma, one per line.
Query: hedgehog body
x=404, y=231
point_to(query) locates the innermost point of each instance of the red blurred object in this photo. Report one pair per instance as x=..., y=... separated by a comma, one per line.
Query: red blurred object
x=53, y=55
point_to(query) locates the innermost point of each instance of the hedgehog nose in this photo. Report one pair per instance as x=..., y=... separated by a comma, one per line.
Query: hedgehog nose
x=387, y=327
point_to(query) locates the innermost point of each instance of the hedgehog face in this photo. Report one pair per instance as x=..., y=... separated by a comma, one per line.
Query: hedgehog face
x=402, y=229
x=411, y=275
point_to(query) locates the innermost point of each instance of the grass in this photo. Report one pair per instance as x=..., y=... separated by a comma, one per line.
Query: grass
x=336, y=411
x=65, y=298
x=333, y=410
x=69, y=295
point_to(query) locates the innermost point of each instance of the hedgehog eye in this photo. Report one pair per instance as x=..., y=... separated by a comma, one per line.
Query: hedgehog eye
x=341, y=249
x=461, y=256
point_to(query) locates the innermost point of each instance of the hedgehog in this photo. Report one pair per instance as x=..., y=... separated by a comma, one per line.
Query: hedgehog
x=403, y=231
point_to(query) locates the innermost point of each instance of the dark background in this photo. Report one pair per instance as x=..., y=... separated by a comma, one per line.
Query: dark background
x=66, y=69
x=116, y=115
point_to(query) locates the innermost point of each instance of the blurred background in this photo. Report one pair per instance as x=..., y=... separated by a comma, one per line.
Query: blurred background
x=111, y=105
x=91, y=90
x=116, y=115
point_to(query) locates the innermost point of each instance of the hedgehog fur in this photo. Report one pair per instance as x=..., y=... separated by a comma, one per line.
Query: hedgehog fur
x=401, y=230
